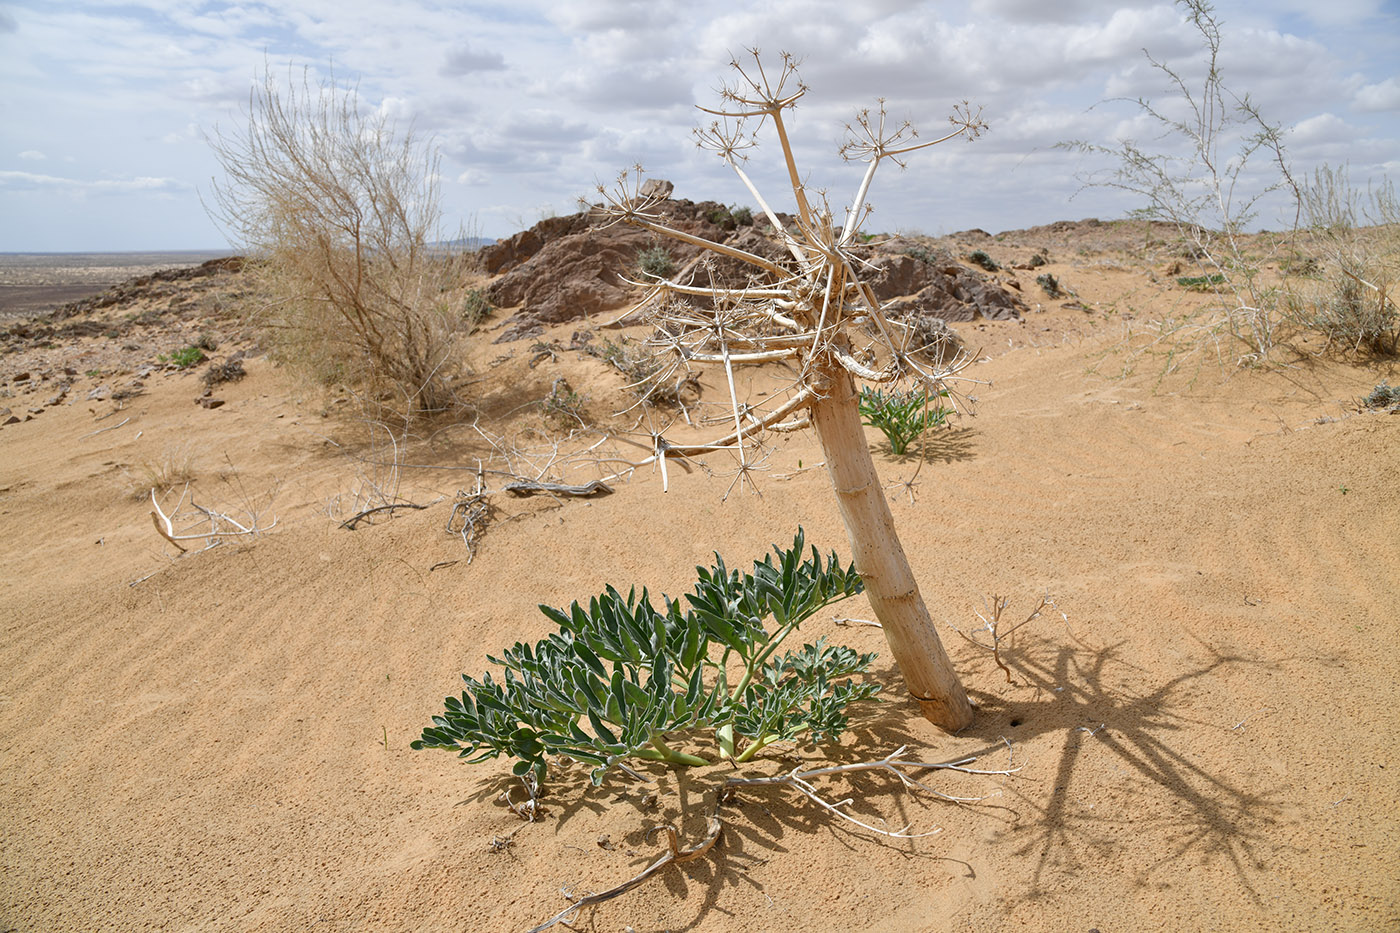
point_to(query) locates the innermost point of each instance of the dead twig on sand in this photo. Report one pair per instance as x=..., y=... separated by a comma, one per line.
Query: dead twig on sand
x=993, y=627
x=219, y=525
x=528, y=487
x=102, y=430
x=354, y=519
x=801, y=781
x=471, y=513
x=675, y=856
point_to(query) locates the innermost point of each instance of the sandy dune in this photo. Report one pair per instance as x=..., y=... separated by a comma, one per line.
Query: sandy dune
x=1208, y=742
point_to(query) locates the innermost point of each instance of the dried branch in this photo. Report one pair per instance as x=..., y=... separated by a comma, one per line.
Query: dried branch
x=993, y=627
x=219, y=525
x=354, y=519
x=675, y=856
x=801, y=781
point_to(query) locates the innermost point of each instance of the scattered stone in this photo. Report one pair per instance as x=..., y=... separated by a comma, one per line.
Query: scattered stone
x=210, y=403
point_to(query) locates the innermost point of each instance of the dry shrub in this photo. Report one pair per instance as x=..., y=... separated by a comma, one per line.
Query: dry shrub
x=1353, y=301
x=174, y=467
x=341, y=212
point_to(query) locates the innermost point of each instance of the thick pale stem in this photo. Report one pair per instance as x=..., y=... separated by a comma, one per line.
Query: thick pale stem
x=880, y=558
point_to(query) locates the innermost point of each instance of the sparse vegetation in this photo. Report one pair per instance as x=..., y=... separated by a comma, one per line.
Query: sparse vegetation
x=980, y=258
x=1353, y=303
x=564, y=406
x=656, y=262
x=902, y=417
x=1201, y=182
x=922, y=254
x=173, y=468
x=183, y=358
x=731, y=217
x=340, y=213
x=1384, y=397
x=644, y=371
x=1050, y=285
x=621, y=676
x=1201, y=283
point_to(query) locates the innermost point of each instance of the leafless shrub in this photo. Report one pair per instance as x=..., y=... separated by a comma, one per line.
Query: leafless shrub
x=1199, y=174
x=1353, y=301
x=341, y=212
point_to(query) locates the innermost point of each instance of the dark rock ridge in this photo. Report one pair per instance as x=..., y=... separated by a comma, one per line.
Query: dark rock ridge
x=565, y=268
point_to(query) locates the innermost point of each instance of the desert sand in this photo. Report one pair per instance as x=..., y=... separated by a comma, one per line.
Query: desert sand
x=1206, y=739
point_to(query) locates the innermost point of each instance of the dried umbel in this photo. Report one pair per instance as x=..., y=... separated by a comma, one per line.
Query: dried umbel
x=810, y=309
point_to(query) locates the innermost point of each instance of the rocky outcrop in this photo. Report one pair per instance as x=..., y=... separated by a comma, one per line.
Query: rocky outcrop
x=565, y=268
x=931, y=283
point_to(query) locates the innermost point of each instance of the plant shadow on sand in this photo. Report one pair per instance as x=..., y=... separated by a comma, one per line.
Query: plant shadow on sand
x=940, y=445
x=1207, y=816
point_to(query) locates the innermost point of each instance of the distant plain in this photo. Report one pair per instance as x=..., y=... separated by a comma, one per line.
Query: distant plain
x=34, y=283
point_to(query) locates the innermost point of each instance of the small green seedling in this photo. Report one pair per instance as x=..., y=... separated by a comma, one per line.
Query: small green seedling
x=183, y=358
x=901, y=416
x=1201, y=283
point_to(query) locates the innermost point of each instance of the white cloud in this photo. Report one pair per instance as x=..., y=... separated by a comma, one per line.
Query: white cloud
x=32, y=155
x=534, y=101
x=72, y=186
x=1379, y=98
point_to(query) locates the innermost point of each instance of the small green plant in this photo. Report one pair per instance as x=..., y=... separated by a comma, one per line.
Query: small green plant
x=563, y=405
x=901, y=416
x=980, y=258
x=1201, y=283
x=730, y=217
x=1050, y=284
x=1037, y=261
x=475, y=306
x=620, y=675
x=656, y=261
x=1383, y=397
x=923, y=255
x=183, y=358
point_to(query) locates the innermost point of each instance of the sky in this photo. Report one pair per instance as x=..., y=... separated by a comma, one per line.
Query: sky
x=107, y=105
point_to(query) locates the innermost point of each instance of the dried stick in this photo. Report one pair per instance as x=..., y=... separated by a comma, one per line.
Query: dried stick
x=101, y=430
x=676, y=856
x=165, y=524
x=992, y=626
x=800, y=781
x=352, y=520
x=528, y=487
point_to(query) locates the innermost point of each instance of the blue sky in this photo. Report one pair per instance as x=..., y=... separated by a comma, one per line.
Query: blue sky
x=533, y=102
